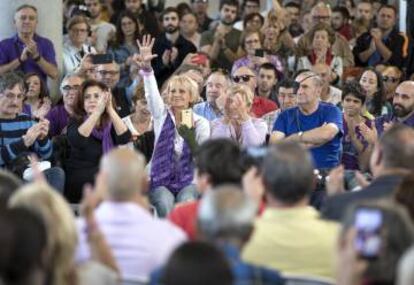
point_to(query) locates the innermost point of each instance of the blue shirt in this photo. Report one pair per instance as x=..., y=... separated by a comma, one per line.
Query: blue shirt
x=205, y=110
x=292, y=121
x=12, y=144
x=12, y=48
x=244, y=273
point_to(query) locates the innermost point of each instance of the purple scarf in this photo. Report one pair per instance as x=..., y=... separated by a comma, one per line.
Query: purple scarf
x=166, y=169
x=105, y=136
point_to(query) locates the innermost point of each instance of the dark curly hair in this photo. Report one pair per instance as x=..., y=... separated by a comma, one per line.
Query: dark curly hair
x=355, y=89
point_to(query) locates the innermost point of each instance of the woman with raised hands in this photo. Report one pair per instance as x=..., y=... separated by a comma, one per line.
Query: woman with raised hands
x=178, y=131
x=95, y=129
x=237, y=123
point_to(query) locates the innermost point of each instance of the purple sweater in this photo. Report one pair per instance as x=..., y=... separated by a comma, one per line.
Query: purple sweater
x=59, y=120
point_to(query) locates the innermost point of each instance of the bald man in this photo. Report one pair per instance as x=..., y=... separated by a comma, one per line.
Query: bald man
x=403, y=108
x=329, y=93
x=139, y=242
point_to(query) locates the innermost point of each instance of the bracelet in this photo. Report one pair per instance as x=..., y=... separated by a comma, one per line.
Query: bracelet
x=37, y=58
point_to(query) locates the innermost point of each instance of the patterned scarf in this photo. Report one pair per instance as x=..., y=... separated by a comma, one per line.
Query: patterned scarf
x=104, y=135
x=166, y=169
x=328, y=58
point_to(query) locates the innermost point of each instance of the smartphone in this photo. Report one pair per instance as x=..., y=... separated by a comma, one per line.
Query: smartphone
x=368, y=223
x=102, y=58
x=259, y=53
x=187, y=118
x=199, y=58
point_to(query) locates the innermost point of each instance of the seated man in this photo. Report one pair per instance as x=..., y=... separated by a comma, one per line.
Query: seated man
x=329, y=93
x=217, y=162
x=403, y=108
x=219, y=222
x=109, y=74
x=261, y=105
x=315, y=124
x=289, y=236
x=28, y=51
x=391, y=159
x=139, y=242
x=382, y=44
x=19, y=135
x=216, y=85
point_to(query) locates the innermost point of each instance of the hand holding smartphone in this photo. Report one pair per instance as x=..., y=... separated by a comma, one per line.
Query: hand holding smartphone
x=199, y=58
x=187, y=118
x=368, y=224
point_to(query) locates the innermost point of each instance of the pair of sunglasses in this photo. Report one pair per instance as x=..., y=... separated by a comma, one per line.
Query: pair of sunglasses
x=390, y=79
x=242, y=78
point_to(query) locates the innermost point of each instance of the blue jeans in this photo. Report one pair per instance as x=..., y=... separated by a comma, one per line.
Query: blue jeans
x=55, y=176
x=163, y=200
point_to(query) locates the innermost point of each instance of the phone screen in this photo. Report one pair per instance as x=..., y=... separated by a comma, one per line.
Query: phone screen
x=102, y=58
x=187, y=118
x=259, y=52
x=368, y=223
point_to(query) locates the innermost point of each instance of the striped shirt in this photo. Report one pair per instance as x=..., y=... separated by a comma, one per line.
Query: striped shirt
x=12, y=144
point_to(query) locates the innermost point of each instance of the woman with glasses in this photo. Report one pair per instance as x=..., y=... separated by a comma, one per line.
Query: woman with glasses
x=251, y=43
x=237, y=123
x=178, y=131
x=124, y=46
x=76, y=46
x=95, y=129
x=59, y=115
x=391, y=76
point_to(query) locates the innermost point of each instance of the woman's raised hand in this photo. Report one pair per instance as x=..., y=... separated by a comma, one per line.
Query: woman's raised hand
x=102, y=103
x=145, y=56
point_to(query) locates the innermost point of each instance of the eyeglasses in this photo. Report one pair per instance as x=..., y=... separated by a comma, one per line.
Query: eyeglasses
x=78, y=30
x=244, y=78
x=105, y=72
x=68, y=88
x=390, y=79
x=252, y=42
x=11, y=96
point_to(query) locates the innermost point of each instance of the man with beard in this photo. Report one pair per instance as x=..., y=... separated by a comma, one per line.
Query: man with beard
x=102, y=29
x=222, y=42
x=109, y=74
x=403, y=108
x=216, y=86
x=171, y=47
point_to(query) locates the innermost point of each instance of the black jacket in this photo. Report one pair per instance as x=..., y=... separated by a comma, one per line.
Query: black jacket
x=381, y=187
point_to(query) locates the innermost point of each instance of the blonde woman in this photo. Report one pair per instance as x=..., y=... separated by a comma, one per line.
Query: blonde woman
x=62, y=237
x=237, y=123
x=177, y=132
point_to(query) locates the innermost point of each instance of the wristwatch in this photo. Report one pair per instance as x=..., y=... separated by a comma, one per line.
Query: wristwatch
x=300, y=135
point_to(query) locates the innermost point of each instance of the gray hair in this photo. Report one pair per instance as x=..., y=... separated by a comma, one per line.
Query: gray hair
x=10, y=79
x=70, y=75
x=317, y=80
x=125, y=171
x=24, y=6
x=226, y=212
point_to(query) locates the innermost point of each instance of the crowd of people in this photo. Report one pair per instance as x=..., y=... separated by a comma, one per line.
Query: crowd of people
x=269, y=145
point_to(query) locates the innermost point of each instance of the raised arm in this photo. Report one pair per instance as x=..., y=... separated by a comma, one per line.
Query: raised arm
x=143, y=61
